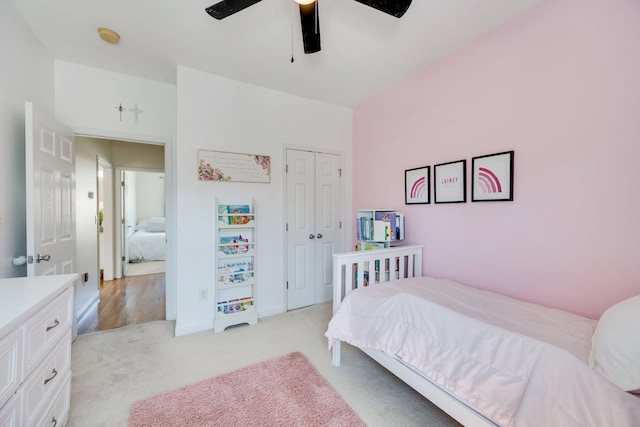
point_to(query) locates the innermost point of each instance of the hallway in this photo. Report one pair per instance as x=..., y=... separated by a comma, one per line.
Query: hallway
x=126, y=301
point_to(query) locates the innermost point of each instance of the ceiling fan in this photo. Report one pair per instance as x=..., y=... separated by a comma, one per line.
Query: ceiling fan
x=309, y=18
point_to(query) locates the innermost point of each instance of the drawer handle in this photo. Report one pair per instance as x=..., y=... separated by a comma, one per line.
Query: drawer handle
x=54, y=421
x=54, y=372
x=55, y=323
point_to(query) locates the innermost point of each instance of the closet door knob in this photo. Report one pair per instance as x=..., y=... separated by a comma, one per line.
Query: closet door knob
x=311, y=236
x=319, y=235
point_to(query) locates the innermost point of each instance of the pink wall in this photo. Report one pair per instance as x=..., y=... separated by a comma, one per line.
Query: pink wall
x=560, y=86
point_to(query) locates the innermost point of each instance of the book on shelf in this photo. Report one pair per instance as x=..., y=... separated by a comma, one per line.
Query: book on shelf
x=235, y=272
x=223, y=213
x=400, y=226
x=364, y=228
x=235, y=305
x=238, y=214
x=232, y=245
x=385, y=226
x=367, y=246
x=234, y=214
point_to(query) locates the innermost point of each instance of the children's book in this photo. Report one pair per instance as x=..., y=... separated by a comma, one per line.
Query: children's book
x=238, y=214
x=223, y=214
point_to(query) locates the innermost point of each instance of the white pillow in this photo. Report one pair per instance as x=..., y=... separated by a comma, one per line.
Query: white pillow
x=155, y=227
x=615, y=345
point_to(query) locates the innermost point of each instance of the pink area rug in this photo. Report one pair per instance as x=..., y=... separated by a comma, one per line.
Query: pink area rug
x=286, y=391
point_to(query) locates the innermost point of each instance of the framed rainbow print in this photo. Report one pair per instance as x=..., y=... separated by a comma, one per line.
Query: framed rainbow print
x=416, y=186
x=492, y=177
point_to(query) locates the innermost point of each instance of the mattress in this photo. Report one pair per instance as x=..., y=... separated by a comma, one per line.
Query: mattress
x=514, y=362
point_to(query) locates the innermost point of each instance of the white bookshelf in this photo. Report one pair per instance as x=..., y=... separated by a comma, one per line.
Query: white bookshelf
x=235, y=264
x=378, y=228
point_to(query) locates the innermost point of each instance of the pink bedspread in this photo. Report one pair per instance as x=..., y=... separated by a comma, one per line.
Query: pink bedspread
x=514, y=362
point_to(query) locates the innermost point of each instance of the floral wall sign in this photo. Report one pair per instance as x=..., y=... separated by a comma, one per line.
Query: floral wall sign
x=233, y=167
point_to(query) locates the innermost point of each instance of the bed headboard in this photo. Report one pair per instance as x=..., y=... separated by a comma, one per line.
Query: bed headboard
x=352, y=270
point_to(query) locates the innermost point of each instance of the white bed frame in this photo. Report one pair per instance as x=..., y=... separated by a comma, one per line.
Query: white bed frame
x=399, y=262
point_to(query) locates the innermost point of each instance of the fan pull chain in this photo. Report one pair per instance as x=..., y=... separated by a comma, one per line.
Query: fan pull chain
x=293, y=6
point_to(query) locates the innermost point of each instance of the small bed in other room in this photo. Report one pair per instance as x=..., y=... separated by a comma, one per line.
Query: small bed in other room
x=484, y=358
x=148, y=242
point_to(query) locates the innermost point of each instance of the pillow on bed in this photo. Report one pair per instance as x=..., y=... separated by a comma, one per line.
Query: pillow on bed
x=142, y=224
x=157, y=224
x=155, y=227
x=615, y=345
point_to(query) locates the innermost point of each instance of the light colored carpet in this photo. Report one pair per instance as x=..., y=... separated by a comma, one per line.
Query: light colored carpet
x=113, y=369
x=142, y=268
x=285, y=391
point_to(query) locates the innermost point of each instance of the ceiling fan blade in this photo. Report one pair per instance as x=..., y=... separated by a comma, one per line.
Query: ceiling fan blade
x=396, y=8
x=225, y=8
x=310, y=21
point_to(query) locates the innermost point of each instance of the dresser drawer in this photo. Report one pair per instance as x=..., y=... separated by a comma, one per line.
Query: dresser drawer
x=56, y=415
x=10, y=413
x=46, y=380
x=47, y=326
x=10, y=365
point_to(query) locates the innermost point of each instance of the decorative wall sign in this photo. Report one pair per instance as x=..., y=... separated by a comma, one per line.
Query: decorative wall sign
x=416, y=186
x=492, y=177
x=450, y=182
x=233, y=167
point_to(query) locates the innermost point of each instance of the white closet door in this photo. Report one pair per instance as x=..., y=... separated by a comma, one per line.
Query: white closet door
x=314, y=204
x=328, y=207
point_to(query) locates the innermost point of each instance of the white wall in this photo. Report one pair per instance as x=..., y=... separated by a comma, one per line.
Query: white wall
x=149, y=194
x=87, y=151
x=130, y=197
x=86, y=99
x=26, y=74
x=216, y=113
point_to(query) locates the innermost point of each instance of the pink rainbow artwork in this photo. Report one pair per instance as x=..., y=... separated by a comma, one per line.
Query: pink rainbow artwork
x=488, y=181
x=417, y=189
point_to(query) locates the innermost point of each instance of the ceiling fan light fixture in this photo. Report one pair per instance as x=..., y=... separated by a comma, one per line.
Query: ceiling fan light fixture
x=304, y=1
x=109, y=35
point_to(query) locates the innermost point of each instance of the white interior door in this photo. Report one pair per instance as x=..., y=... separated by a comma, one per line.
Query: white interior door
x=50, y=191
x=313, y=227
x=328, y=208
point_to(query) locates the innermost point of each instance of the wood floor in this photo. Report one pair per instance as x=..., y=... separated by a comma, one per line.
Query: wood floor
x=126, y=301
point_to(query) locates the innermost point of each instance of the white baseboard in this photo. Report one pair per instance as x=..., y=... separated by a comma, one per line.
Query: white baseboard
x=82, y=311
x=193, y=327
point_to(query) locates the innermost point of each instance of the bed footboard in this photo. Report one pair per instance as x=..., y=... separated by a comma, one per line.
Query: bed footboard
x=352, y=270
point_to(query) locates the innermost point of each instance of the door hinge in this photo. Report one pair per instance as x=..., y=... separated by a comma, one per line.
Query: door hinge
x=286, y=168
x=287, y=285
x=340, y=173
x=122, y=221
x=122, y=258
x=340, y=224
x=286, y=227
x=122, y=183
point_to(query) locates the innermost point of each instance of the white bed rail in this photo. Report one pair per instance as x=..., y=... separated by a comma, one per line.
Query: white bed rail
x=352, y=270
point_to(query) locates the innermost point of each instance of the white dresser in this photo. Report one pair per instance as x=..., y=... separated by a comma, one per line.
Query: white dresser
x=36, y=319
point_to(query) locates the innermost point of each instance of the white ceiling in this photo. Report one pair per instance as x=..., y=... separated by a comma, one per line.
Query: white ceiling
x=364, y=52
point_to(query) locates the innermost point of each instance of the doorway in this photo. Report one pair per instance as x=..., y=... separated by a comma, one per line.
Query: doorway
x=314, y=206
x=119, y=300
x=143, y=231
